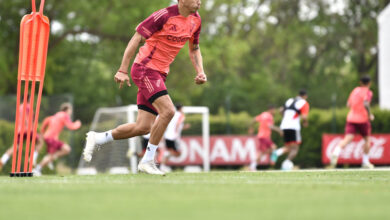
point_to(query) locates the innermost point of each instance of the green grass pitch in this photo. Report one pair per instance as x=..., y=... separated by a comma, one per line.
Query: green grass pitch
x=215, y=195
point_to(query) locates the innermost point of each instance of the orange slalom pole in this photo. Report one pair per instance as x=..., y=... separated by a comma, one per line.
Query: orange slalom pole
x=34, y=36
x=42, y=66
x=32, y=93
x=27, y=72
x=19, y=85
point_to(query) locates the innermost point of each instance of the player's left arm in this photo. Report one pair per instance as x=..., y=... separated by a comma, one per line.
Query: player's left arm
x=197, y=62
x=305, y=114
x=367, y=105
x=72, y=125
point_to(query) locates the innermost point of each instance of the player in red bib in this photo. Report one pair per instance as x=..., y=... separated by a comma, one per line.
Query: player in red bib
x=39, y=140
x=358, y=121
x=266, y=125
x=51, y=129
x=165, y=32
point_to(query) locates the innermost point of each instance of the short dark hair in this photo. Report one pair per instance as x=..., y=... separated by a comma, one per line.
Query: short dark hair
x=302, y=92
x=179, y=106
x=65, y=106
x=365, y=79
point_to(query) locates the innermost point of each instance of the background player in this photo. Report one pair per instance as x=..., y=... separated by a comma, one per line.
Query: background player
x=39, y=140
x=51, y=129
x=266, y=125
x=293, y=110
x=172, y=137
x=358, y=121
x=165, y=32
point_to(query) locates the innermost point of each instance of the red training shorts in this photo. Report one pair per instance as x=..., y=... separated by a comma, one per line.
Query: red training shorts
x=265, y=144
x=363, y=129
x=53, y=145
x=151, y=85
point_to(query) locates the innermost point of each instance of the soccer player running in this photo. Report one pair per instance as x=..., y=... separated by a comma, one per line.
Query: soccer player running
x=358, y=121
x=172, y=137
x=293, y=110
x=39, y=140
x=266, y=146
x=51, y=129
x=165, y=32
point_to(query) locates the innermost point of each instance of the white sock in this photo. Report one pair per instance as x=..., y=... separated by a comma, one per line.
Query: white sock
x=4, y=159
x=149, y=153
x=366, y=159
x=279, y=151
x=253, y=165
x=38, y=168
x=336, y=151
x=104, y=137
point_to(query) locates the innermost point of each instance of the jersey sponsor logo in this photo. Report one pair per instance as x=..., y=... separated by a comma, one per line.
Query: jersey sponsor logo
x=177, y=39
x=173, y=27
x=158, y=83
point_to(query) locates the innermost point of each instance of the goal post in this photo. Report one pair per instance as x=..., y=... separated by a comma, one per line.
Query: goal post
x=112, y=157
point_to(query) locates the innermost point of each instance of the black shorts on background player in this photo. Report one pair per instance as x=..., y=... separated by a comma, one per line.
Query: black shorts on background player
x=291, y=136
x=171, y=145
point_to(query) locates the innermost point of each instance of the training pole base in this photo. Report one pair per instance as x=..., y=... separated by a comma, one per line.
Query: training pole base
x=21, y=174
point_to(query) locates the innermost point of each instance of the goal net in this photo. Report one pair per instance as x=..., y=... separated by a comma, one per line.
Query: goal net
x=113, y=157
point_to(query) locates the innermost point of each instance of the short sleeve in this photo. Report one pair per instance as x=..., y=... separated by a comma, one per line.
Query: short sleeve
x=153, y=23
x=305, y=109
x=195, y=36
x=368, y=96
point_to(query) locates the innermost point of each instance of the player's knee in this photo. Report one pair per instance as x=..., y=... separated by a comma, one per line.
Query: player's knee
x=177, y=154
x=144, y=129
x=67, y=149
x=168, y=113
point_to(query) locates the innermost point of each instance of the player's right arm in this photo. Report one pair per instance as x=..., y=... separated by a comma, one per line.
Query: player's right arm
x=277, y=129
x=122, y=76
x=251, y=130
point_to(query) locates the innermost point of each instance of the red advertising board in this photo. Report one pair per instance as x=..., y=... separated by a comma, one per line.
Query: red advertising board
x=224, y=150
x=352, y=153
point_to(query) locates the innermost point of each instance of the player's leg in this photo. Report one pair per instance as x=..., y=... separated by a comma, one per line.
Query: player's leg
x=256, y=161
x=38, y=146
x=292, y=141
x=337, y=150
x=166, y=111
x=6, y=156
x=142, y=126
x=46, y=159
x=365, y=131
x=293, y=151
x=350, y=130
x=288, y=136
x=271, y=154
x=366, y=150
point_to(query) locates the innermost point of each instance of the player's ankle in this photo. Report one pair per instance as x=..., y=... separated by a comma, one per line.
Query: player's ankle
x=104, y=137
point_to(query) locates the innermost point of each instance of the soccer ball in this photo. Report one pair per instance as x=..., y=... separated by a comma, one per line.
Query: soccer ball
x=287, y=165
